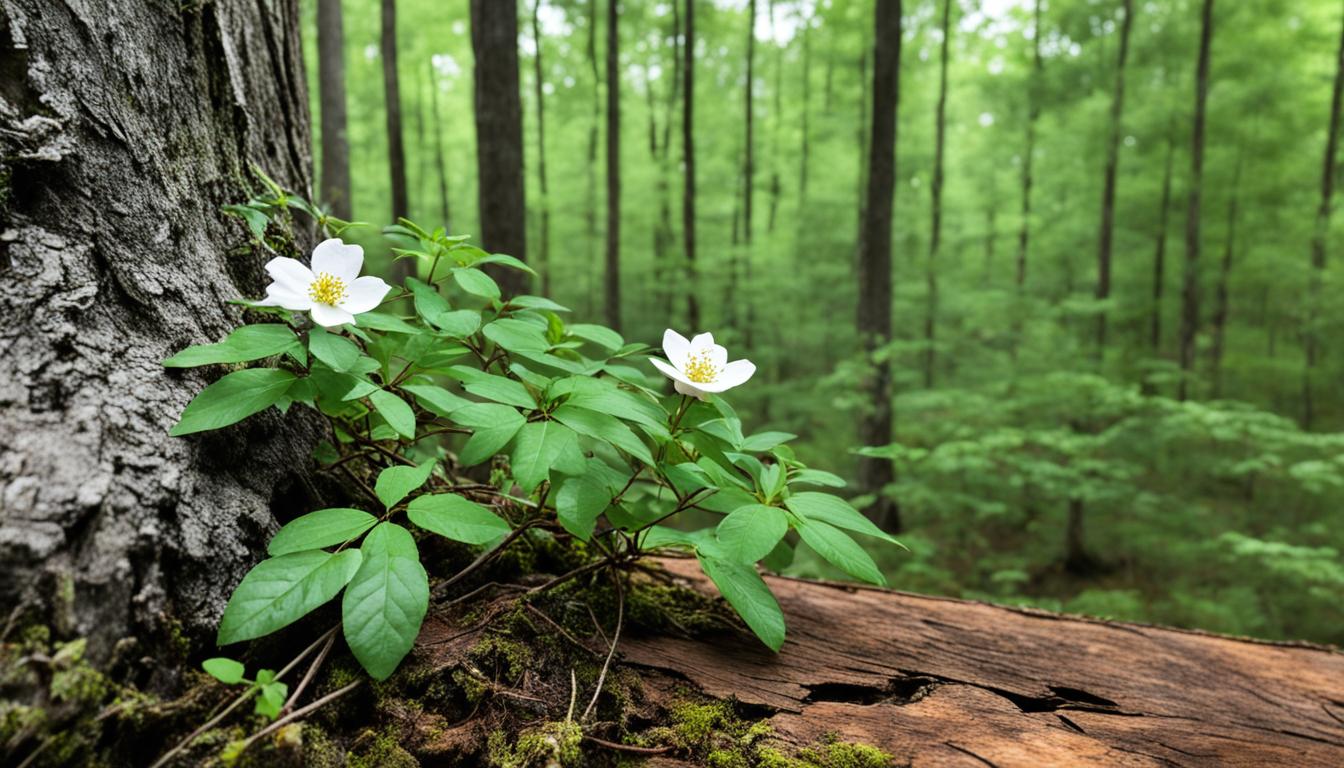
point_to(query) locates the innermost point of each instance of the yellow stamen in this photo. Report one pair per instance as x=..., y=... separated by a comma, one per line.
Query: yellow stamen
x=699, y=369
x=327, y=289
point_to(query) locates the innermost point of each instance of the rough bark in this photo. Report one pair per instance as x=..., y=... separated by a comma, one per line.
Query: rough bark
x=499, y=136
x=1190, y=284
x=612, y=283
x=396, y=149
x=335, y=189
x=539, y=86
x=936, y=207
x=688, y=153
x=1318, y=240
x=937, y=681
x=874, y=273
x=119, y=148
x=1107, y=236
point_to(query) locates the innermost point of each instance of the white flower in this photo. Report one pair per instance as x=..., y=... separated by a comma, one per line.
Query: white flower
x=332, y=291
x=700, y=367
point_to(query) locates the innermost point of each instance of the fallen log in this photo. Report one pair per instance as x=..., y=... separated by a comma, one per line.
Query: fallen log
x=937, y=681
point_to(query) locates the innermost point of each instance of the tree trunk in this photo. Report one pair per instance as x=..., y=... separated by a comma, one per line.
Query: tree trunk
x=688, y=151
x=1107, y=236
x=590, y=211
x=874, y=308
x=612, y=292
x=1220, y=296
x=749, y=171
x=117, y=256
x=805, y=136
x=1190, y=286
x=1318, y=241
x=440, y=164
x=936, y=207
x=776, y=120
x=1160, y=251
x=396, y=149
x=499, y=136
x=665, y=274
x=335, y=190
x=539, y=82
x=1033, y=114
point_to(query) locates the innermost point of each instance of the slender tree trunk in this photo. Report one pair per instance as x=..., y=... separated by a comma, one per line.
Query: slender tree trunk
x=396, y=150
x=776, y=187
x=1220, y=296
x=1190, y=287
x=936, y=208
x=991, y=235
x=688, y=150
x=439, y=162
x=874, y=309
x=1160, y=251
x=543, y=265
x=805, y=143
x=116, y=256
x=1318, y=241
x=861, y=129
x=664, y=238
x=335, y=190
x=499, y=136
x=1107, y=236
x=749, y=169
x=612, y=294
x=1033, y=114
x=590, y=213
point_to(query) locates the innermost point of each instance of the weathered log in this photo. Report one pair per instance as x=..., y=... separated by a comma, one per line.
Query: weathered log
x=937, y=681
x=124, y=127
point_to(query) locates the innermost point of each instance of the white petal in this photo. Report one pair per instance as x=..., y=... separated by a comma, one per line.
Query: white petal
x=328, y=316
x=290, y=273
x=364, y=294
x=732, y=375
x=687, y=389
x=702, y=341
x=336, y=258
x=675, y=346
x=718, y=356
x=670, y=371
x=278, y=295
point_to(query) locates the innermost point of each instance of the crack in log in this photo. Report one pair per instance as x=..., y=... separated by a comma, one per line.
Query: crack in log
x=1064, y=699
x=970, y=754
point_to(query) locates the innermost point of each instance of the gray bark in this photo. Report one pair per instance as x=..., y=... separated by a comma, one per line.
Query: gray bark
x=124, y=126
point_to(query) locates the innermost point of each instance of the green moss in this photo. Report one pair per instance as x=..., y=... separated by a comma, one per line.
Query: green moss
x=497, y=651
x=833, y=753
x=558, y=742
x=380, y=750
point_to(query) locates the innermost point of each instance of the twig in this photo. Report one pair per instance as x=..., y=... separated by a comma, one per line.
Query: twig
x=629, y=747
x=574, y=694
x=308, y=677
x=563, y=632
x=484, y=558
x=615, y=638
x=567, y=576
x=597, y=624
x=467, y=596
x=241, y=698
x=298, y=713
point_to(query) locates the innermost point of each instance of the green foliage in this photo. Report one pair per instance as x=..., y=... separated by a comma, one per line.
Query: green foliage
x=270, y=693
x=451, y=374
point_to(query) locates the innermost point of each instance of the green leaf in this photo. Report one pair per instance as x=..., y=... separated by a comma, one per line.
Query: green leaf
x=542, y=446
x=456, y=518
x=499, y=389
x=335, y=350
x=396, y=482
x=459, y=324
x=429, y=303
x=323, y=528
x=780, y=557
x=603, y=427
x=764, y=441
x=826, y=508
x=271, y=699
x=224, y=670
x=598, y=334
x=749, y=533
x=279, y=591
x=476, y=282
x=250, y=342
x=537, y=302
x=232, y=399
x=493, y=427
x=841, y=551
x=517, y=335
x=381, y=321
x=579, y=503
x=386, y=601
x=744, y=589
x=398, y=414
x=818, y=477
x=436, y=399
x=506, y=260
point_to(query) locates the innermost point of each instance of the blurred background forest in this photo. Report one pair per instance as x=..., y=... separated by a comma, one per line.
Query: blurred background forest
x=1113, y=388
